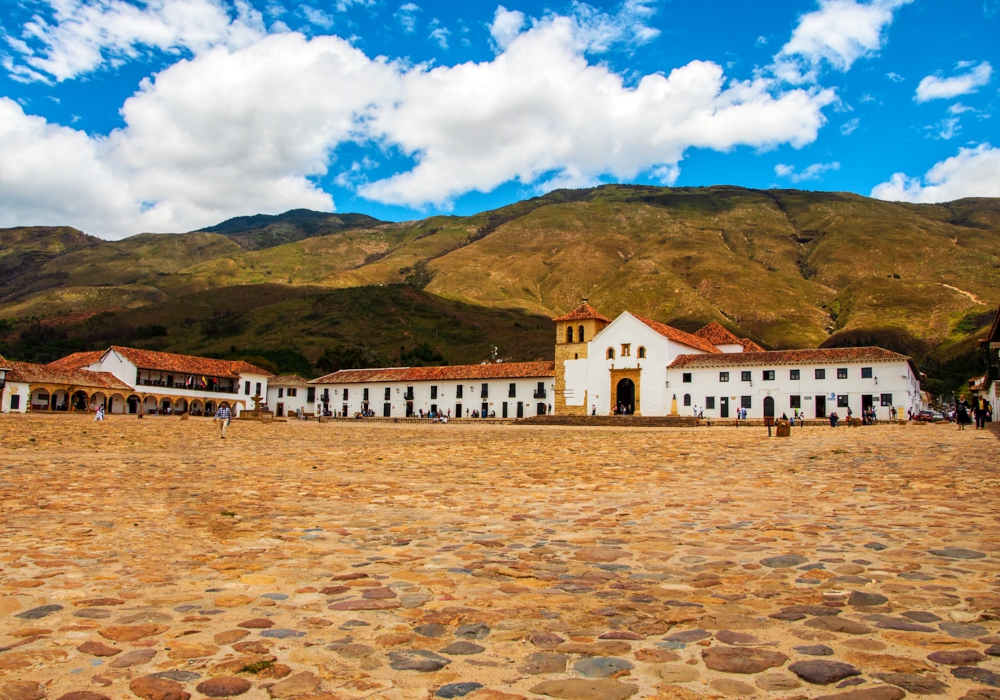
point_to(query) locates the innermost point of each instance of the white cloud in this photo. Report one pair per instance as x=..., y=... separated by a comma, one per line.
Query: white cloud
x=945, y=129
x=959, y=108
x=317, y=17
x=850, y=126
x=813, y=172
x=406, y=15
x=232, y=131
x=974, y=172
x=439, y=35
x=540, y=108
x=838, y=34
x=506, y=25
x=84, y=35
x=895, y=77
x=934, y=87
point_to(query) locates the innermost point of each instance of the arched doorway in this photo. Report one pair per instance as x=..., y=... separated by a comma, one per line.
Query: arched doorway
x=626, y=397
x=180, y=406
x=133, y=404
x=196, y=408
x=80, y=399
x=768, y=409
x=166, y=407
x=99, y=399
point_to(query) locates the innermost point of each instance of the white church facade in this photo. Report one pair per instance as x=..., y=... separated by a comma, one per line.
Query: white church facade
x=638, y=366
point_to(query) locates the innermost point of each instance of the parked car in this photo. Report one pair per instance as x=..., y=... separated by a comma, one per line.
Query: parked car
x=927, y=416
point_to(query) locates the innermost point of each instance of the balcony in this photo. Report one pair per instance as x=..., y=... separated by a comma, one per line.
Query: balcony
x=193, y=387
x=539, y=394
x=408, y=396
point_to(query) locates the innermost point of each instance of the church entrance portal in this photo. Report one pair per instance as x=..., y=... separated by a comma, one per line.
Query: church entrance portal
x=626, y=397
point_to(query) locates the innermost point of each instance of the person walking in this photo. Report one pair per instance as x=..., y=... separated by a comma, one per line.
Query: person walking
x=962, y=414
x=99, y=413
x=222, y=418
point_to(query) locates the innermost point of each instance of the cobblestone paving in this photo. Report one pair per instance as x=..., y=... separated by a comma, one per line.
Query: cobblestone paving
x=151, y=559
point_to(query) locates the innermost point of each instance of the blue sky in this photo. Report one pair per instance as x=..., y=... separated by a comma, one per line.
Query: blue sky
x=119, y=117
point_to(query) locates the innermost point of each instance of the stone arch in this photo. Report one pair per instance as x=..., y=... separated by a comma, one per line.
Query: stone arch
x=196, y=408
x=210, y=408
x=59, y=400
x=132, y=404
x=116, y=404
x=165, y=405
x=149, y=404
x=642, y=352
x=579, y=334
x=39, y=400
x=569, y=334
x=80, y=400
x=98, y=398
x=610, y=354
x=180, y=405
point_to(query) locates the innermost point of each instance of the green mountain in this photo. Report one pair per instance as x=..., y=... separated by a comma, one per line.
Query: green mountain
x=789, y=268
x=267, y=231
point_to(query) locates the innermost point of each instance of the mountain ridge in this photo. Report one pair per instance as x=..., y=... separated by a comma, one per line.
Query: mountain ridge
x=788, y=268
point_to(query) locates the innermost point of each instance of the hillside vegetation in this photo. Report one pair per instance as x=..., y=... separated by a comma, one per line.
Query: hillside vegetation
x=789, y=268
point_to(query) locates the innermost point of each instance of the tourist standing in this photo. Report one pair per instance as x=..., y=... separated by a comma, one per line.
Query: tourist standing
x=223, y=417
x=99, y=413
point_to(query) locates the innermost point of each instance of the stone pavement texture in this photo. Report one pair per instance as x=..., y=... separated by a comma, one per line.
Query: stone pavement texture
x=149, y=559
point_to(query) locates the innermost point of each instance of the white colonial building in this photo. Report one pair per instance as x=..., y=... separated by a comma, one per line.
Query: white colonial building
x=639, y=366
x=129, y=380
x=788, y=382
x=289, y=395
x=500, y=390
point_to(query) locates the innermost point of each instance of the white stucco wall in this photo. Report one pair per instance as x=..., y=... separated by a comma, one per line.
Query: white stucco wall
x=19, y=389
x=290, y=404
x=654, y=397
x=895, y=378
x=447, y=396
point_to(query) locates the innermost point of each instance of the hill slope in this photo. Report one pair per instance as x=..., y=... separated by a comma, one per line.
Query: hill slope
x=787, y=267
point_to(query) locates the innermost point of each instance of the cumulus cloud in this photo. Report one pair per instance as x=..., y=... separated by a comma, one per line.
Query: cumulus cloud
x=934, y=87
x=813, y=172
x=837, y=34
x=973, y=172
x=506, y=25
x=540, y=113
x=83, y=35
x=230, y=131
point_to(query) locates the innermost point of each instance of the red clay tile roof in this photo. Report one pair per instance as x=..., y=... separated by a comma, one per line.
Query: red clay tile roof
x=500, y=370
x=582, y=312
x=78, y=359
x=188, y=364
x=288, y=380
x=789, y=357
x=716, y=334
x=3, y=363
x=679, y=336
x=47, y=374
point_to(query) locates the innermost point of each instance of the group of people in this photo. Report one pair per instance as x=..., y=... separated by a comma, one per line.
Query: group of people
x=980, y=409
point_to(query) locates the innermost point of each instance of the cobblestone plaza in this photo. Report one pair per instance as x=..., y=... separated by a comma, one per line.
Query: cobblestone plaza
x=399, y=562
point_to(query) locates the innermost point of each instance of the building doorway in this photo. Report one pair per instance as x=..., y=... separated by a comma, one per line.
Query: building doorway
x=820, y=406
x=866, y=406
x=541, y=410
x=724, y=407
x=386, y=410
x=768, y=410
x=281, y=410
x=409, y=409
x=626, y=396
x=520, y=409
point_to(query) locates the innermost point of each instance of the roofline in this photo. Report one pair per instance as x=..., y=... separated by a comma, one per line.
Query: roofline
x=325, y=378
